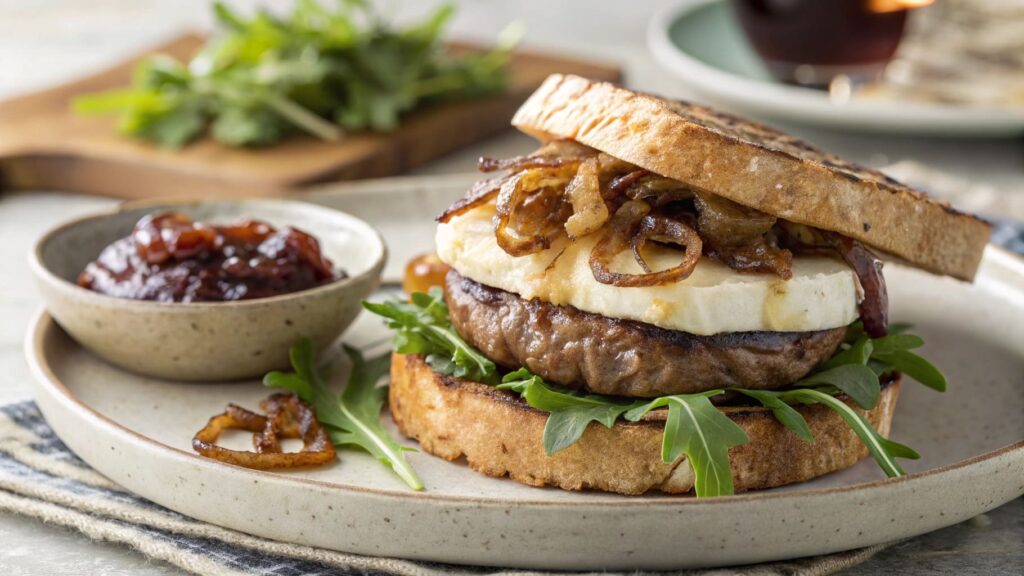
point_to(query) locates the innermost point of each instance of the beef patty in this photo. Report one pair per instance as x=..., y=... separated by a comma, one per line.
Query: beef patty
x=623, y=357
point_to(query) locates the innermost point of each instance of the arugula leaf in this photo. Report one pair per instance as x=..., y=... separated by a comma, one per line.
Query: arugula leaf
x=423, y=327
x=857, y=353
x=173, y=129
x=889, y=354
x=899, y=327
x=897, y=450
x=226, y=17
x=569, y=412
x=353, y=419
x=855, y=380
x=883, y=450
x=784, y=413
x=696, y=428
x=914, y=366
x=247, y=127
x=315, y=70
x=565, y=427
x=121, y=101
x=894, y=342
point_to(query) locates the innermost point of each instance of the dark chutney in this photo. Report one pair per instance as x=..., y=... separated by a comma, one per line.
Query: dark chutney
x=170, y=258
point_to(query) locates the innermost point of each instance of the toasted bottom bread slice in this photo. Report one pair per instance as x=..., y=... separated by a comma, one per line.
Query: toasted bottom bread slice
x=500, y=435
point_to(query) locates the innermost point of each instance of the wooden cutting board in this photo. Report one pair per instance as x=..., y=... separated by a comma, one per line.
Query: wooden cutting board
x=44, y=145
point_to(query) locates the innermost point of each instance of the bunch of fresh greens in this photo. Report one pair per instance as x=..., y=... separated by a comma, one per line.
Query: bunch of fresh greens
x=693, y=427
x=353, y=418
x=317, y=70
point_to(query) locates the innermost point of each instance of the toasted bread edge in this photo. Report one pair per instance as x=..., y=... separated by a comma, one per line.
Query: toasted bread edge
x=759, y=167
x=499, y=435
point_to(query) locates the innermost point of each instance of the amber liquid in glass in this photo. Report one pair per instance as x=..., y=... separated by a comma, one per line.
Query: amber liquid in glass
x=811, y=41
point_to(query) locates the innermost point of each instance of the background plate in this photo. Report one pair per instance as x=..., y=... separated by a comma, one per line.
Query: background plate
x=702, y=45
x=137, y=431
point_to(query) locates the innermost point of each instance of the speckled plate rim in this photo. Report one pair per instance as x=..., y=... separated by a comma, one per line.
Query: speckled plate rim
x=67, y=412
x=806, y=105
x=39, y=267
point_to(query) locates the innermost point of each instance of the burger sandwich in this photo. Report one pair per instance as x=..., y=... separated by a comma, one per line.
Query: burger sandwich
x=666, y=298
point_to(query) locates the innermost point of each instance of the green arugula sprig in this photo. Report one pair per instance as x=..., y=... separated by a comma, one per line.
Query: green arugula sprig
x=570, y=411
x=316, y=70
x=353, y=418
x=855, y=371
x=423, y=326
x=883, y=450
x=890, y=353
x=694, y=426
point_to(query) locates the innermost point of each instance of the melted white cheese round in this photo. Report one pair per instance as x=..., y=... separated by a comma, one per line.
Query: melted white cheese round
x=822, y=293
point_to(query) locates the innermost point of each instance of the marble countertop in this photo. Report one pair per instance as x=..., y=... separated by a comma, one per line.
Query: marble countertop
x=44, y=42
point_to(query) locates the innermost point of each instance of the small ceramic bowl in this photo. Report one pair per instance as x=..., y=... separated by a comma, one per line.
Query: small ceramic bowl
x=207, y=341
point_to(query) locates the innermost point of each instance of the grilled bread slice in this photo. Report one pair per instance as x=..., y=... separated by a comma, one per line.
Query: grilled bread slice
x=500, y=435
x=759, y=167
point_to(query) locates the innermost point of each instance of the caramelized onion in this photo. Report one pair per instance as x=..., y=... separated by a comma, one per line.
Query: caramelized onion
x=523, y=162
x=481, y=193
x=667, y=231
x=287, y=417
x=723, y=222
x=584, y=193
x=531, y=210
x=566, y=186
x=757, y=256
x=554, y=154
x=659, y=191
x=874, y=307
x=610, y=166
x=620, y=184
x=740, y=237
x=617, y=238
x=632, y=227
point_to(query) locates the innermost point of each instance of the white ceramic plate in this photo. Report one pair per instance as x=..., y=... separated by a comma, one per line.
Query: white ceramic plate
x=137, y=431
x=701, y=44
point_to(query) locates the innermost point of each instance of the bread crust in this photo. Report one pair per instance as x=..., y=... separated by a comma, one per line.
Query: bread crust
x=759, y=167
x=499, y=435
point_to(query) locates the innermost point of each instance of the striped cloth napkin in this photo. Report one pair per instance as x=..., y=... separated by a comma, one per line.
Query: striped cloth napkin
x=1009, y=235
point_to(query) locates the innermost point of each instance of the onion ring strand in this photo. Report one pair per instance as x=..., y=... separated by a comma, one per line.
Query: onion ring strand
x=287, y=417
x=633, y=226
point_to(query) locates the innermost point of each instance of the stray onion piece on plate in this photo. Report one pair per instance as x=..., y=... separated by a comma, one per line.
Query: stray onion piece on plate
x=286, y=417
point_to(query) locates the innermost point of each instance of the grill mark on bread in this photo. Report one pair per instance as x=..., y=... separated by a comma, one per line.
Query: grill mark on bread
x=711, y=151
